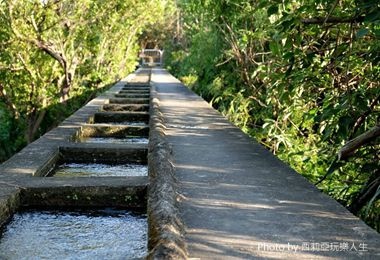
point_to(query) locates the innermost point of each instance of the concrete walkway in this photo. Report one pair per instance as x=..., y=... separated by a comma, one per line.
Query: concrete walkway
x=240, y=202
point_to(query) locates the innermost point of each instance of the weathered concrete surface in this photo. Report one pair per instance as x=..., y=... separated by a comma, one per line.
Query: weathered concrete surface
x=104, y=153
x=165, y=227
x=135, y=95
x=239, y=201
x=129, y=101
x=20, y=184
x=9, y=201
x=126, y=192
x=144, y=81
x=130, y=107
x=134, y=91
x=107, y=130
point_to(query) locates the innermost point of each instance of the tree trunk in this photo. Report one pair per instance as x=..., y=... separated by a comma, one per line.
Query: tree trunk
x=34, y=122
x=366, y=193
x=8, y=102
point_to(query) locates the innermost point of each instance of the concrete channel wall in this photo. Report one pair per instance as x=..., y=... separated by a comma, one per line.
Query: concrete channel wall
x=24, y=181
x=238, y=201
x=166, y=229
x=211, y=192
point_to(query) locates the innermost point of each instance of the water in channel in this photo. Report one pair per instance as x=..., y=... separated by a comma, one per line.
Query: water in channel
x=53, y=234
x=100, y=170
x=129, y=123
x=110, y=140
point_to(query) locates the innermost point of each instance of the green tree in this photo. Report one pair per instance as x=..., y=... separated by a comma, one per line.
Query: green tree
x=302, y=77
x=55, y=53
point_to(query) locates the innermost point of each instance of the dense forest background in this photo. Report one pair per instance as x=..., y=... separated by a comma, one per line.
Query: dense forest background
x=55, y=55
x=302, y=77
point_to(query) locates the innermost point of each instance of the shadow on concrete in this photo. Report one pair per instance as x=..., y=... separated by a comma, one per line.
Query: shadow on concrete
x=238, y=201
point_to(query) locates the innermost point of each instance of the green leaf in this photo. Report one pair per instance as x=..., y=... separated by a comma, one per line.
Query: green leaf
x=273, y=46
x=372, y=16
x=273, y=9
x=377, y=194
x=362, y=32
x=288, y=55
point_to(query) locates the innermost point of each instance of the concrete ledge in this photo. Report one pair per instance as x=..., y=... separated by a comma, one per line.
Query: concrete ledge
x=89, y=152
x=165, y=228
x=137, y=85
x=238, y=201
x=21, y=186
x=133, y=95
x=122, y=196
x=106, y=117
x=106, y=130
x=104, y=153
x=128, y=101
x=9, y=202
x=130, y=107
x=134, y=91
x=33, y=157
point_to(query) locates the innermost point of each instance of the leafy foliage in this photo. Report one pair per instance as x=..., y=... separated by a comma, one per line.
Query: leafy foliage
x=302, y=77
x=54, y=55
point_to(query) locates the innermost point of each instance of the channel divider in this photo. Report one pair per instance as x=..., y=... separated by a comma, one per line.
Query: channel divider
x=165, y=226
x=22, y=183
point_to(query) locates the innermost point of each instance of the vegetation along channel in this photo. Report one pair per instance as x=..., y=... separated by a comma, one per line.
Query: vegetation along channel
x=75, y=220
x=85, y=165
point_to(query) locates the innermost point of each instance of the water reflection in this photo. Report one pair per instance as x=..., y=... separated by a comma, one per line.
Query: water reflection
x=101, y=234
x=111, y=140
x=139, y=123
x=100, y=170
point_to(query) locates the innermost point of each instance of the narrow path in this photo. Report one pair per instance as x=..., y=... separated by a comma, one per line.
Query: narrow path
x=239, y=202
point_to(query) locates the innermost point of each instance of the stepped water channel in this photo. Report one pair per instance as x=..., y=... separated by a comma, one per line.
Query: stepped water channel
x=150, y=170
x=79, y=192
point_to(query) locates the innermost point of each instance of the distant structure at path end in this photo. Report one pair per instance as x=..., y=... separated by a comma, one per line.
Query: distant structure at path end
x=151, y=57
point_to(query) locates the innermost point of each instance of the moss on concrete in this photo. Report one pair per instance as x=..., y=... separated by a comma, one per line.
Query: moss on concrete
x=165, y=234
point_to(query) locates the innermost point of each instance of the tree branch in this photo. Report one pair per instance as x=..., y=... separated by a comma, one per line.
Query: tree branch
x=52, y=53
x=332, y=20
x=351, y=146
x=362, y=117
x=8, y=102
x=331, y=10
x=366, y=193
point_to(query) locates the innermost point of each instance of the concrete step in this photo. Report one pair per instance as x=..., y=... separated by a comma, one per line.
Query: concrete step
x=132, y=95
x=121, y=116
x=128, y=107
x=128, y=101
x=103, y=153
x=134, y=91
x=107, y=130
